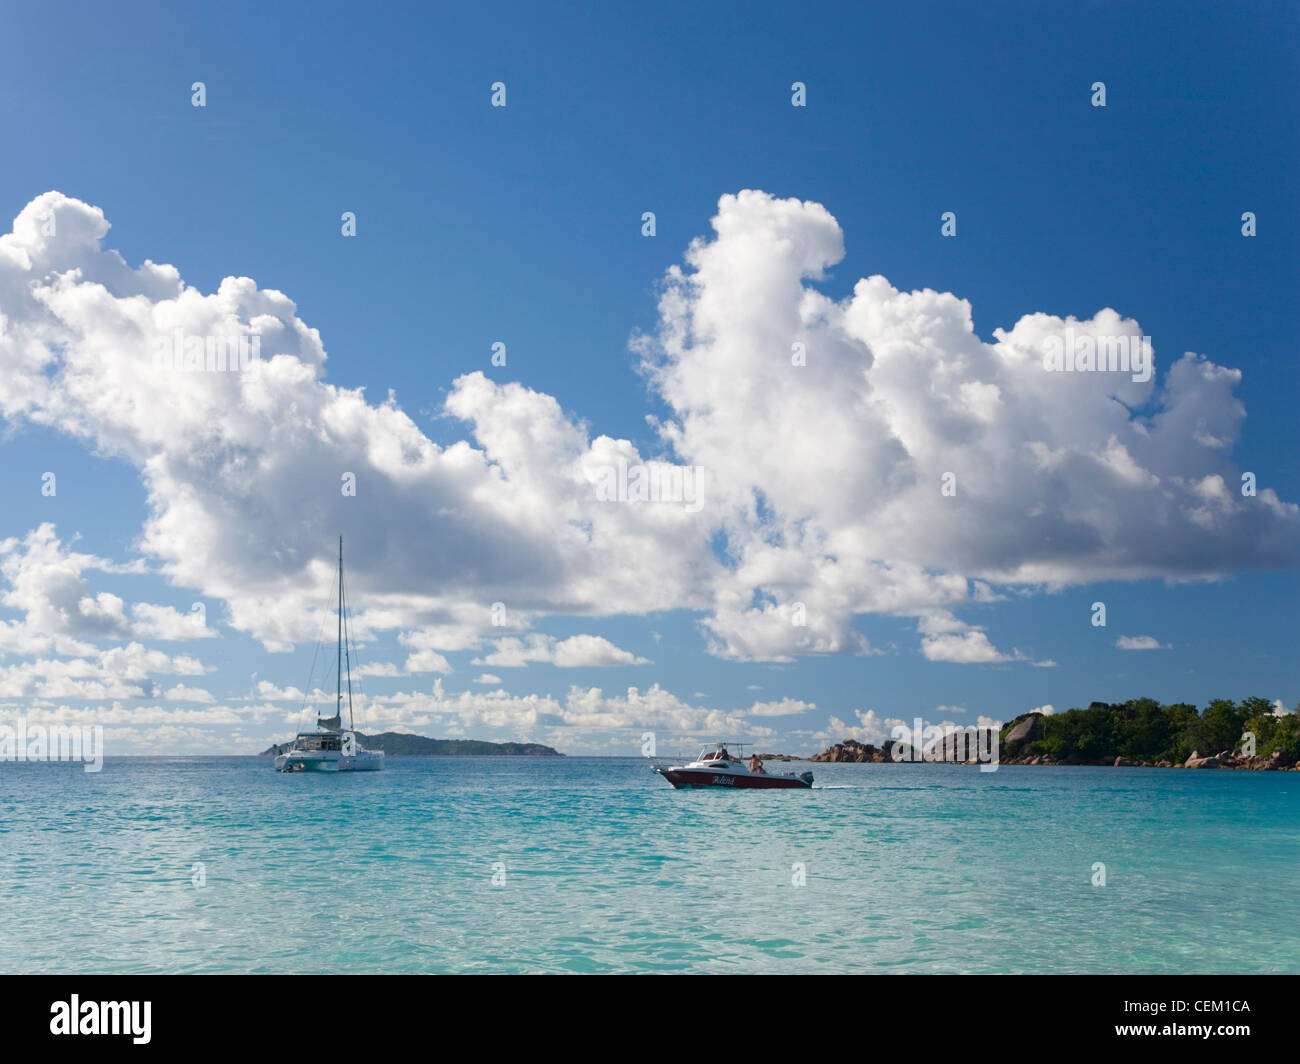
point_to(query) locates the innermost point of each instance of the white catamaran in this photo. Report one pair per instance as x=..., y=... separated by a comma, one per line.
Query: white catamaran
x=331, y=748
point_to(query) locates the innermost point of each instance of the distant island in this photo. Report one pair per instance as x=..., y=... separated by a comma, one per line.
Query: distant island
x=402, y=744
x=1139, y=733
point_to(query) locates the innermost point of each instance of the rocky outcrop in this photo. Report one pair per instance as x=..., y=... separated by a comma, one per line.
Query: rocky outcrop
x=1278, y=759
x=849, y=750
x=1025, y=729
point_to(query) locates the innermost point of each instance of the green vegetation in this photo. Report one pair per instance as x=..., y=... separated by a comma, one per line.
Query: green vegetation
x=1142, y=729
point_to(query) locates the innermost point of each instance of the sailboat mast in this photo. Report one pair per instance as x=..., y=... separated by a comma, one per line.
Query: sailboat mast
x=347, y=661
x=338, y=697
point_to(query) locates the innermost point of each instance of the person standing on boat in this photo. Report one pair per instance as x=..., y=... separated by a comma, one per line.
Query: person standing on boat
x=755, y=765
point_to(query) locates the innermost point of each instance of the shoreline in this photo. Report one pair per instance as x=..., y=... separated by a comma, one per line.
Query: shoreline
x=853, y=752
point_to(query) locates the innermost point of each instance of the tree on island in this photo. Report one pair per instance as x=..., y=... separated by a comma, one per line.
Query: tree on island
x=1142, y=729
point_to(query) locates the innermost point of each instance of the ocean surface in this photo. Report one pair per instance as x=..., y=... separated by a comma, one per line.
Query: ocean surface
x=597, y=865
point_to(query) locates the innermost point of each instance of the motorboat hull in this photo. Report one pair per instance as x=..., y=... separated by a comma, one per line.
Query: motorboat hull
x=703, y=777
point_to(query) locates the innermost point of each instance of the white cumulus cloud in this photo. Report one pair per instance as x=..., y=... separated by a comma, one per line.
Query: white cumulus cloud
x=826, y=428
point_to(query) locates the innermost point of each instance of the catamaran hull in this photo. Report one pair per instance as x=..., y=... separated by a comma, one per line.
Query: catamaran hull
x=294, y=763
x=689, y=777
x=373, y=761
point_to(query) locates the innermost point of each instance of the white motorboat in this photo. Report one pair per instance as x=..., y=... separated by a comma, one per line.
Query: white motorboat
x=717, y=767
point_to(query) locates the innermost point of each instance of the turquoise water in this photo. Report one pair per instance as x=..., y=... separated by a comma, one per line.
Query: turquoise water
x=909, y=868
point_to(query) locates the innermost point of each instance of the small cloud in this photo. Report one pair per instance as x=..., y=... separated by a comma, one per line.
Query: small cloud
x=787, y=707
x=427, y=661
x=181, y=693
x=1139, y=642
x=488, y=678
x=579, y=651
x=592, y=651
x=378, y=668
x=271, y=693
x=945, y=638
x=869, y=729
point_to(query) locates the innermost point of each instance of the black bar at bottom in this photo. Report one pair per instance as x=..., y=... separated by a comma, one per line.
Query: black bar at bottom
x=366, y=1013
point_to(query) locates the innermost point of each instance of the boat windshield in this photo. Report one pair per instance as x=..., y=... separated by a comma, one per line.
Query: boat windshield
x=318, y=742
x=723, y=752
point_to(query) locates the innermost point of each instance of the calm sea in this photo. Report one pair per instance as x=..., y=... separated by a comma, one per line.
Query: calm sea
x=597, y=865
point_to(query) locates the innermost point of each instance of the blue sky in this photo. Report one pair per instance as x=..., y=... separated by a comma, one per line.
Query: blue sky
x=522, y=224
